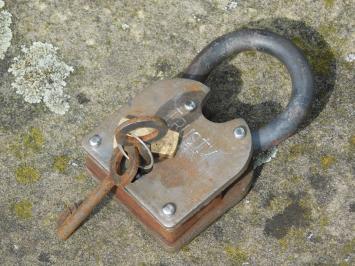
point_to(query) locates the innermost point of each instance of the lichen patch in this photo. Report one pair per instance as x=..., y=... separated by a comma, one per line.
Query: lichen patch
x=40, y=76
x=27, y=175
x=60, y=163
x=23, y=209
x=5, y=32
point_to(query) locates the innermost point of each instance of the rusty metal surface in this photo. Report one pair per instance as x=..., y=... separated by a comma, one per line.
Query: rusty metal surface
x=126, y=177
x=174, y=239
x=208, y=160
x=69, y=224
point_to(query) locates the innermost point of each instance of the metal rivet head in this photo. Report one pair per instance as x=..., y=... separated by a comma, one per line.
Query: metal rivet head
x=169, y=209
x=239, y=132
x=95, y=140
x=190, y=105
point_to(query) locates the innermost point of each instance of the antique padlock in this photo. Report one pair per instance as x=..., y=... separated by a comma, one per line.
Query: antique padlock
x=210, y=172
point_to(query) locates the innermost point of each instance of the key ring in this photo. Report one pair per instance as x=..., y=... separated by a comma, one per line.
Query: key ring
x=132, y=169
x=146, y=154
x=158, y=124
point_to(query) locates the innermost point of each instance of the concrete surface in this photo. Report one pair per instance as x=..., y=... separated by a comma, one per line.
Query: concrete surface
x=301, y=208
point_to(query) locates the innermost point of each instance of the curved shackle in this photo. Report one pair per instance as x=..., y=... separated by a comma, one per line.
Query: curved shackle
x=286, y=123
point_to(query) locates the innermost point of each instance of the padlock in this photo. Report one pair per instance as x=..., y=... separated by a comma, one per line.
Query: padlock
x=211, y=170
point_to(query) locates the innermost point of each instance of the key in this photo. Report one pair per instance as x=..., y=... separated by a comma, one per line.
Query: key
x=75, y=218
x=70, y=220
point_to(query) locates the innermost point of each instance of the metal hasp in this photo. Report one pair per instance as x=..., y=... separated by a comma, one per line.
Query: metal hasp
x=210, y=172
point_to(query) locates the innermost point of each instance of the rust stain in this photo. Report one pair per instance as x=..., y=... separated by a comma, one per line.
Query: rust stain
x=176, y=172
x=194, y=87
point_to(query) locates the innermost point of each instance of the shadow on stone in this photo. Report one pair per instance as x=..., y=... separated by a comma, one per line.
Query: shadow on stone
x=318, y=53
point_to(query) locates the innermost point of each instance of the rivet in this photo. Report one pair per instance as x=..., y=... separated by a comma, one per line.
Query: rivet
x=239, y=132
x=95, y=140
x=169, y=209
x=190, y=105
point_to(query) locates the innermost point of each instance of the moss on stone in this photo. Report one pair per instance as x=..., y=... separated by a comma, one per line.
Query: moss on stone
x=320, y=59
x=34, y=139
x=329, y=3
x=185, y=248
x=50, y=219
x=81, y=177
x=23, y=209
x=352, y=140
x=238, y=255
x=250, y=53
x=296, y=179
x=327, y=30
x=60, y=163
x=323, y=221
x=296, y=150
x=278, y=204
x=27, y=175
x=327, y=161
x=26, y=144
x=349, y=247
x=294, y=237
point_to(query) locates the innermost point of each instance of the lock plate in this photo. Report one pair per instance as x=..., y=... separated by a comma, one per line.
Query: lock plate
x=209, y=157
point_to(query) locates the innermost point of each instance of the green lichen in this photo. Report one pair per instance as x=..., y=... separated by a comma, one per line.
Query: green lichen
x=296, y=151
x=50, y=219
x=352, y=140
x=296, y=179
x=328, y=3
x=250, y=53
x=278, y=204
x=308, y=205
x=80, y=178
x=349, y=247
x=60, y=163
x=320, y=58
x=34, y=139
x=327, y=161
x=27, y=144
x=323, y=221
x=23, y=209
x=27, y=175
x=295, y=237
x=185, y=248
x=238, y=255
x=327, y=30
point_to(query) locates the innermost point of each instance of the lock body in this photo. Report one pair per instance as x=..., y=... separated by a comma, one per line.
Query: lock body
x=208, y=175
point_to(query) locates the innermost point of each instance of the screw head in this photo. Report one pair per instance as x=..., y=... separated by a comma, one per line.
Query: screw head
x=239, y=132
x=190, y=105
x=95, y=140
x=169, y=209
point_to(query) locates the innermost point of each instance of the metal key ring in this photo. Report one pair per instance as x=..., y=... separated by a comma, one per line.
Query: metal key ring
x=132, y=169
x=287, y=122
x=158, y=124
x=145, y=153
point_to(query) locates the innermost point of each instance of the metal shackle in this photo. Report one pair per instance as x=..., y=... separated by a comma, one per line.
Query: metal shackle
x=286, y=123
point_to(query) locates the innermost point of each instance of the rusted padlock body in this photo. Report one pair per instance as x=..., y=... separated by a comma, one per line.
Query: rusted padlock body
x=175, y=238
x=202, y=180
